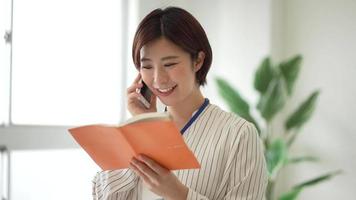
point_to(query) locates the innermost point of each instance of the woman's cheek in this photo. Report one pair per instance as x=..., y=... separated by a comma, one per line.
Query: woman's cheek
x=178, y=72
x=146, y=76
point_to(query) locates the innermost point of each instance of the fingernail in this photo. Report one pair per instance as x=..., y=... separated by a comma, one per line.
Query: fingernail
x=131, y=166
x=140, y=157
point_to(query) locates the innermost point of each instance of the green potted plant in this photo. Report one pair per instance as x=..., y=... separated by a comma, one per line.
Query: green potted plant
x=275, y=84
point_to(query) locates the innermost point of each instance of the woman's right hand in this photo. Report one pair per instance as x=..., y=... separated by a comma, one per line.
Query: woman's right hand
x=133, y=103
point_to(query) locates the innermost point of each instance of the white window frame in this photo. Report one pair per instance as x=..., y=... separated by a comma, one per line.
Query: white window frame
x=19, y=137
x=29, y=137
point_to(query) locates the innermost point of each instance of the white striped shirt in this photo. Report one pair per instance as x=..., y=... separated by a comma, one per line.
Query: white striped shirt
x=231, y=157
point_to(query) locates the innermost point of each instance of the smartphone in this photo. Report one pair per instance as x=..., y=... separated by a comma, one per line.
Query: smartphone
x=146, y=95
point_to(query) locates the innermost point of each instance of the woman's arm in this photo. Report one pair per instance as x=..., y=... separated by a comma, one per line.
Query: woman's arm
x=158, y=179
x=116, y=185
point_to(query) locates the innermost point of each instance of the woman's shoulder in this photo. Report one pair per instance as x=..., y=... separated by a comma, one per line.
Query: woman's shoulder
x=229, y=119
x=235, y=128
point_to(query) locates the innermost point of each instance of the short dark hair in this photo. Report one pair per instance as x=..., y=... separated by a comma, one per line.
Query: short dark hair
x=178, y=26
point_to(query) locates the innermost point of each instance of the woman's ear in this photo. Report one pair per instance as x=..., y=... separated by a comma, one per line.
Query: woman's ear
x=199, y=61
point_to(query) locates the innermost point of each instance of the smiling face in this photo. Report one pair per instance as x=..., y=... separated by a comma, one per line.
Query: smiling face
x=169, y=71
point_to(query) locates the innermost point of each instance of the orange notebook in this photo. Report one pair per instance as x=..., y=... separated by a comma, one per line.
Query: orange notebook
x=151, y=134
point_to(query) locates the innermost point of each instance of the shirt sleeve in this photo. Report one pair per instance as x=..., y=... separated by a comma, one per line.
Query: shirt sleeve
x=246, y=168
x=116, y=185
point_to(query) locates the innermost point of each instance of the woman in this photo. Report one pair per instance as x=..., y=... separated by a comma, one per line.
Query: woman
x=173, y=56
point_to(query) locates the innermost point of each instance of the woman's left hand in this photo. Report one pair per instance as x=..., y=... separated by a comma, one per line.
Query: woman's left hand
x=158, y=179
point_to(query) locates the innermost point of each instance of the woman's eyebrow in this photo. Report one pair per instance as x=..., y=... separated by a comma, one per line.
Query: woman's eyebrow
x=145, y=59
x=162, y=59
x=169, y=57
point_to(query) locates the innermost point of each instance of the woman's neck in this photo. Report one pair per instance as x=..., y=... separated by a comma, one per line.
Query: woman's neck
x=182, y=112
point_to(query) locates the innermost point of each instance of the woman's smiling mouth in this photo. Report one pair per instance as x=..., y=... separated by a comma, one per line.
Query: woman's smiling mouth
x=166, y=91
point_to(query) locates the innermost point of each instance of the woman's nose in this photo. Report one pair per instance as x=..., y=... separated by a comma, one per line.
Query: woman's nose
x=160, y=77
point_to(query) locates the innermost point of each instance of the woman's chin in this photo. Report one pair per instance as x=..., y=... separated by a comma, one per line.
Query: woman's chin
x=167, y=101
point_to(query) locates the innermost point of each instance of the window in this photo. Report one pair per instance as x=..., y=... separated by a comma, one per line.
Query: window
x=65, y=66
x=5, y=26
x=66, y=58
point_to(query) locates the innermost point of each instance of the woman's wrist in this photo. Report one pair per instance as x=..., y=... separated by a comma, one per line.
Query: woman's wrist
x=181, y=194
x=184, y=193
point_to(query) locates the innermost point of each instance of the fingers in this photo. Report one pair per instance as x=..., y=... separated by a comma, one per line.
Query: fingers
x=137, y=79
x=157, y=168
x=131, y=92
x=164, y=183
x=135, y=84
x=143, y=170
x=136, y=169
x=133, y=88
x=133, y=97
x=133, y=103
x=153, y=100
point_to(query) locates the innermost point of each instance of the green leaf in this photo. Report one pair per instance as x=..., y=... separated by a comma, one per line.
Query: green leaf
x=298, y=188
x=303, y=113
x=291, y=195
x=273, y=100
x=234, y=100
x=318, y=179
x=290, y=71
x=264, y=75
x=276, y=155
x=302, y=159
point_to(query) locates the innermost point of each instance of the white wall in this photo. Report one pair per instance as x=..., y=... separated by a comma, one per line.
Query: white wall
x=323, y=31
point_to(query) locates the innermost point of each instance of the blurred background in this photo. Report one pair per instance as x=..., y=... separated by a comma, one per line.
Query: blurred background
x=67, y=63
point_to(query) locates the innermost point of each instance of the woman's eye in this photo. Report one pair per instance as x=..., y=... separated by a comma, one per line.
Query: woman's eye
x=170, y=64
x=146, y=67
